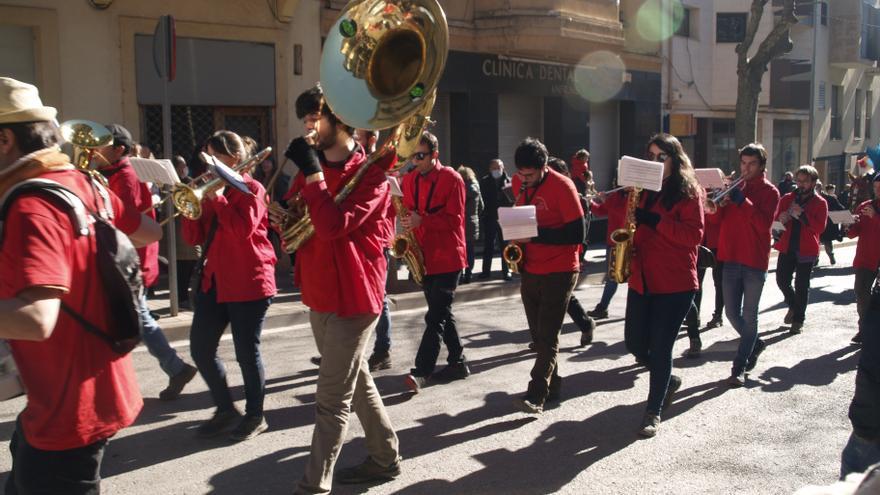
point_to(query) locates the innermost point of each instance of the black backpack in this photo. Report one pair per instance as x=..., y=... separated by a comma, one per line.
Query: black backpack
x=116, y=258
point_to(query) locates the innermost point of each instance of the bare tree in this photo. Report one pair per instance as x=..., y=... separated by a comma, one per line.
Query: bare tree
x=750, y=71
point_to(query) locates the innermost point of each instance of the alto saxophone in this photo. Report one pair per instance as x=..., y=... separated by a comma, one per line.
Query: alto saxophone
x=620, y=259
x=406, y=247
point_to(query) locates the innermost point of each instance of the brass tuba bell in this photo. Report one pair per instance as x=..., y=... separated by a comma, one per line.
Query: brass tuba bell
x=85, y=136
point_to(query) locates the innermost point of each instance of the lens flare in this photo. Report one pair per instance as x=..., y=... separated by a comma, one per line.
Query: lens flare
x=658, y=20
x=599, y=76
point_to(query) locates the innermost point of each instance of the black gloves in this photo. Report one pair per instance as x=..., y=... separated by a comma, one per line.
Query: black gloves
x=645, y=217
x=737, y=196
x=304, y=156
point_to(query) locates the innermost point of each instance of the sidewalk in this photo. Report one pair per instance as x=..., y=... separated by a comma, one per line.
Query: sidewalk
x=287, y=309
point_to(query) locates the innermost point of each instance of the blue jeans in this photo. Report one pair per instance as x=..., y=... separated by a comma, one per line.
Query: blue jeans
x=857, y=455
x=383, y=326
x=156, y=342
x=652, y=323
x=210, y=319
x=742, y=287
x=610, y=286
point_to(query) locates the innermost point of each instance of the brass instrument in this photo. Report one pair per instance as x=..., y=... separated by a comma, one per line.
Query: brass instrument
x=620, y=259
x=86, y=137
x=380, y=67
x=711, y=203
x=187, y=198
x=513, y=252
x=406, y=247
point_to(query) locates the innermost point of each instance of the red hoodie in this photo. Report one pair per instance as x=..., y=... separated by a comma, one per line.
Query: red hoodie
x=868, y=232
x=812, y=220
x=438, y=197
x=745, y=228
x=614, y=207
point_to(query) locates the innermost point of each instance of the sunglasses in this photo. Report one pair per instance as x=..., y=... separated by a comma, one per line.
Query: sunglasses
x=421, y=155
x=659, y=157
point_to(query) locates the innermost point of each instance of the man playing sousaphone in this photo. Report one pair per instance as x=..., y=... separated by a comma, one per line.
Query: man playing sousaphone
x=341, y=271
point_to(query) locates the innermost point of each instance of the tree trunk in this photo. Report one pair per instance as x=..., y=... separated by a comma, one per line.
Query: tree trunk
x=747, y=95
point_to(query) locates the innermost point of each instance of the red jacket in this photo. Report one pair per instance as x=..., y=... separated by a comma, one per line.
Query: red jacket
x=614, y=207
x=440, y=195
x=812, y=224
x=240, y=259
x=342, y=268
x=123, y=181
x=665, y=258
x=745, y=228
x=713, y=232
x=868, y=232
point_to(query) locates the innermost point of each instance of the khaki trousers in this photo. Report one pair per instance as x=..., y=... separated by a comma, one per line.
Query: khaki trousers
x=345, y=384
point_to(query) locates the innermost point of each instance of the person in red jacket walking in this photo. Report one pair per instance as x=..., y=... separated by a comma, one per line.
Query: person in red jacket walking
x=867, y=229
x=614, y=207
x=434, y=195
x=550, y=264
x=745, y=216
x=112, y=162
x=802, y=213
x=236, y=283
x=341, y=270
x=664, y=272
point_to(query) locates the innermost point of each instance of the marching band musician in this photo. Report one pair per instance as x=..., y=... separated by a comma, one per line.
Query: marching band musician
x=664, y=272
x=550, y=265
x=235, y=284
x=803, y=214
x=435, y=194
x=867, y=229
x=613, y=206
x=746, y=215
x=342, y=272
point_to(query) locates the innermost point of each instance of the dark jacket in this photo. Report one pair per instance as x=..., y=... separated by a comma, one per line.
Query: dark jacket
x=832, y=230
x=785, y=187
x=473, y=209
x=491, y=190
x=864, y=411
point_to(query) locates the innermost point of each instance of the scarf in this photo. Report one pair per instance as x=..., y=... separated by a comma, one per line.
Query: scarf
x=33, y=165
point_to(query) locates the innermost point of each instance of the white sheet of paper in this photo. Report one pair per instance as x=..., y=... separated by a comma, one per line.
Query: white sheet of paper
x=842, y=217
x=518, y=222
x=643, y=174
x=395, y=186
x=710, y=178
x=777, y=226
x=155, y=171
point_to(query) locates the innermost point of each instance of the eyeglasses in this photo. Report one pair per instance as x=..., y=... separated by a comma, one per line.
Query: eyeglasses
x=659, y=157
x=421, y=155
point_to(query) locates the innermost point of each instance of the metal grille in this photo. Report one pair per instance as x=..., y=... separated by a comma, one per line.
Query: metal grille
x=190, y=127
x=246, y=125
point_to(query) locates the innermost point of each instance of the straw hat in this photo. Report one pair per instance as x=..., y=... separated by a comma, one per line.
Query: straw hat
x=20, y=102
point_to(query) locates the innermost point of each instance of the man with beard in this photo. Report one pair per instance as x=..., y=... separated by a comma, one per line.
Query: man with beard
x=803, y=214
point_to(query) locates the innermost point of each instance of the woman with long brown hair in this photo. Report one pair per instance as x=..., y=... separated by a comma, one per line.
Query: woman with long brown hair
x=664, y=271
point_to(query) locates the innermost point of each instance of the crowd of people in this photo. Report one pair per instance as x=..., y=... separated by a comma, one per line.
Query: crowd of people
x=677, y=233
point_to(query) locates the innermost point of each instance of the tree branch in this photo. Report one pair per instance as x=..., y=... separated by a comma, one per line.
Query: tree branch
x=778, y=42
x=754, y=22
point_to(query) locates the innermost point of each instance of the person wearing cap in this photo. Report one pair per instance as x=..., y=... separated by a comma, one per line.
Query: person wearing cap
x=89, y=392
x=867, y=260
x=112, y=161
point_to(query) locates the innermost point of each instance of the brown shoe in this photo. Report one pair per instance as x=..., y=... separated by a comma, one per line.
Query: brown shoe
x=177, y=382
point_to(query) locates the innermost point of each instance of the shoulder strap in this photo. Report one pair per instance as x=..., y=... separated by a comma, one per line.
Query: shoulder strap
x=76, y=209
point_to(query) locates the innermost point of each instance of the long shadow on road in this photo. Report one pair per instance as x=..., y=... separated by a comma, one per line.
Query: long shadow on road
x=816, y=372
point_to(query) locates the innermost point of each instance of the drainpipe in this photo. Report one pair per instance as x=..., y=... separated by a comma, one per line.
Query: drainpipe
x=816, y=21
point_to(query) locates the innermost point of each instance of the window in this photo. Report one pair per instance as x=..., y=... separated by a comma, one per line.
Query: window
x=822, y=101
x=730, y=28
x=722, y=146
x=786, y=147
x=684, y=28
x=857, y=122
x=823, y=13
x=869, y=105
x=836, y=97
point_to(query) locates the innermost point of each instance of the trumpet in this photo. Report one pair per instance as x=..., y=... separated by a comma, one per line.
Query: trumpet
x=711, y=203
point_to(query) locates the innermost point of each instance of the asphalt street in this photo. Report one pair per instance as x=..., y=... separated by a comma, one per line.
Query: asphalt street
x=783, y=431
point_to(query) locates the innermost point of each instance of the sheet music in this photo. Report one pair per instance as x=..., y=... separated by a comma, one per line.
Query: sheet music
x=518, y=222
x=710, y=178
x=842, y=217
x=644, y=174
x=395, y=186
x=155, y=171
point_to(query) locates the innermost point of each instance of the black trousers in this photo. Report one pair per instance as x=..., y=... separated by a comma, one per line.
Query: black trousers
x=439, y=292
x=492, y=237
x=50, y=472
x=787, y=266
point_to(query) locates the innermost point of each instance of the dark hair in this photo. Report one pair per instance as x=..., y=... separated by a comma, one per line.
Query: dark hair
x=312, y=101
x=558, y=164
x=33, y=136
x=430, y=141
x=682, y=181
x=755, y=149
x=808, y=170
x=260, y=175
x=531, y=153
x=228, y=143
x=582, y=154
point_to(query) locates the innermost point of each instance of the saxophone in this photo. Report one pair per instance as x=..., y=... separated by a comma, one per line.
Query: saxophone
x=620, y=259
x=405, y=246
